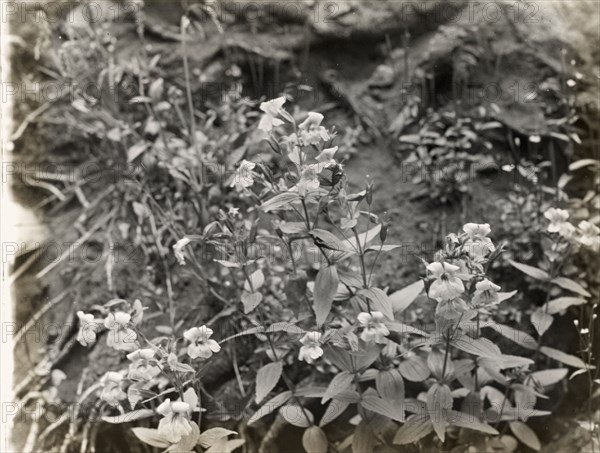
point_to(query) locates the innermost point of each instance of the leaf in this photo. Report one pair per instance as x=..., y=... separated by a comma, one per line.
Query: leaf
x=293, y=227
x=571, y=285
x=415, y=428
x=314, y=440
x=363, y=439
x=326, y=285
x=296, y=415
x=414, y=369
x=519, y=337
x=390, y=385
x=534, y=272
x=583, y=163
x=526, y=435
x=270, y=406
x=383, y=248
x=565, y=358
x=226, y=446
x=251, y=301
x=562, y=303
x=340, y=382
x=402, y=299
x=267, y=378
x=333, y=411
x=545, y=378
x=468, y=421
x=328, y=240
x=257, y=278
x=383, y=407
x=541, y=321
x=209, y=437
x=136, y=150
x=439, y=402
x=279, y=201
x=151, y=437
x=477, y=346
x=129, y=416
x=401, y=328
x=502, y=296
x=380, y=301
x=435, y=362
x=365, y=237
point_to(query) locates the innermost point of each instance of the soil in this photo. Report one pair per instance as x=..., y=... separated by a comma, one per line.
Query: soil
x=516, y=58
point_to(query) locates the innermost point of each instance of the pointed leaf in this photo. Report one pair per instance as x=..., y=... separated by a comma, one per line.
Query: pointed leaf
x=526, y=435
x=541, y=321
x=389, y=409
x=415, y=428
x=270, y=406
x=333, y=411
x=478, y=346
x=534, y=272
x=341, y=382
x=390, y=385
x=251, y=301
x=296, y=415
x=519, y=337
x=545, y=378
x=565, y=358
x=562, y=303
x=209, y=437
x=414, y=369
x=282, y=200
x=325, y=288
x=468, y=421
x=571, y=285
x=402, y=299
x=267, y=378
x=363, y=439
x=129, y=416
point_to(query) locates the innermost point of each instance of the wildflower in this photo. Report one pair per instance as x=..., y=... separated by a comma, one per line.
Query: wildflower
x=558, y=220
x=486, y=293
x=111, y=390
x=589, y=235
x=120, y=337
x=87, y=328
x=143, y=366
x=178, y=250
x=244, y=176
x=327, y=155
x=311, y=347
x=272, y=109
x=477, y=243
x=309, y=180
x=311, y=132
x=373, y=327
x=535, y=138
x=201, y=344
x=175, y=423
x=314, y=119
x=233, y=212
x=446, y=285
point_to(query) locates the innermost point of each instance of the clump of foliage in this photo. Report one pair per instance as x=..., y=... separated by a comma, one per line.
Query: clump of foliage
x=446, y=153
x=319, y=303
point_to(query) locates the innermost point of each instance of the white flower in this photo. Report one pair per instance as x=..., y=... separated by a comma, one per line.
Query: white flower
x=486, y=293
x=558, y=218
x=244, y=176
x=446, y=285
x=144, y=366
x=178, y=250
x=373, y=327
x=309, y=180
x=88, y=327
x=175, y=423
x=327, y=155
x=589, y=235
x=272, y=109
x=477, y=243
x=310, y=130
x=120, y=337
x=311, y=347
x=201, y=344
x=233, y=212
x=111, y=390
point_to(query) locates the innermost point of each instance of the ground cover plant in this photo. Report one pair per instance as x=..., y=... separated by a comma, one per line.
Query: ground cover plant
x=265, y=277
